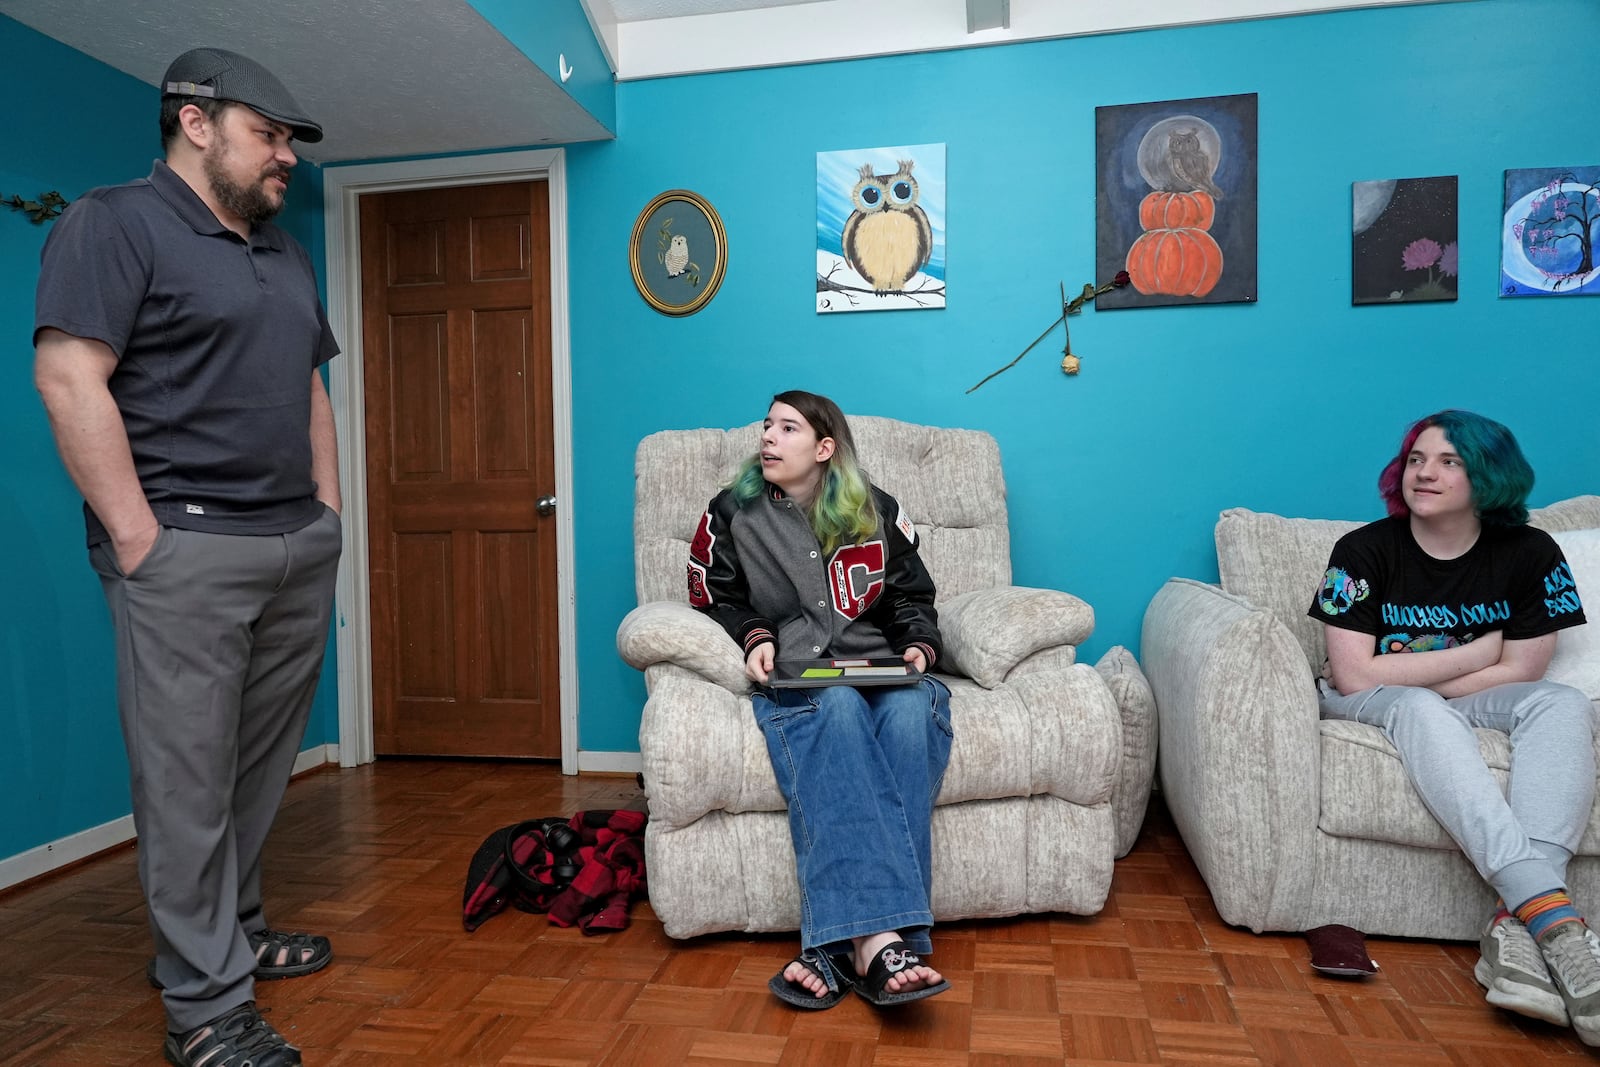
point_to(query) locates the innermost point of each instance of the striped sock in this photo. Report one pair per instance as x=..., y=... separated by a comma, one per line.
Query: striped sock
x=1545, y=912
x=1501, y=913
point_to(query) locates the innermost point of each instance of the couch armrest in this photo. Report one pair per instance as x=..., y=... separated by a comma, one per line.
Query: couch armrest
x=668, y=632
x=990, y=631
x=700, y=750
x=1239, y=756
x=1137, y=706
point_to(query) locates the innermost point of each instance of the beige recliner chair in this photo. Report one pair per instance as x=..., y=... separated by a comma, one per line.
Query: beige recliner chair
x=1052, y=762
x=1295, y=822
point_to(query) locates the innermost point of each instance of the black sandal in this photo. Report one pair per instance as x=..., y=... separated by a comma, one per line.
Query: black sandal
x=300, y=954
x=237, y=1038
x=890, y=960
x=799, y=996
x=269, y=943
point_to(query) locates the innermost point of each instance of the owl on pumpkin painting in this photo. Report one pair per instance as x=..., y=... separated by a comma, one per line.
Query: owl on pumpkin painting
x=1189, y=162
x=887, y=238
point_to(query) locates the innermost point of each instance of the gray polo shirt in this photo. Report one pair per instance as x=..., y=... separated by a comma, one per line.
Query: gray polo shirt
x=216, y=338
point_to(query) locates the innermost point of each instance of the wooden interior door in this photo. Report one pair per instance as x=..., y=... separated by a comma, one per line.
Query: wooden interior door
x=455, y=287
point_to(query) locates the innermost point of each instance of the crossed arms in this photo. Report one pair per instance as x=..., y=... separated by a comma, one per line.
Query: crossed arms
x=1488, y=661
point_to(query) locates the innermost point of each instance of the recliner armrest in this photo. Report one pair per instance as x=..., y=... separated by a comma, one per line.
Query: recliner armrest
x=989, y=631
x=669, y=632
x=1240, y=754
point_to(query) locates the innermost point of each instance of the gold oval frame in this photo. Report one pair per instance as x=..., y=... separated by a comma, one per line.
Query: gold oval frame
x=653, y=295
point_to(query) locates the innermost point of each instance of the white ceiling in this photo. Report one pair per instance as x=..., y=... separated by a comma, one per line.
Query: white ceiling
x=389, y=78
x=643, y=10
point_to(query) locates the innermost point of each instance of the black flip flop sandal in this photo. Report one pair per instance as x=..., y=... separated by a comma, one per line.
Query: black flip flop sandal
x=799, y=996
x=890, y=961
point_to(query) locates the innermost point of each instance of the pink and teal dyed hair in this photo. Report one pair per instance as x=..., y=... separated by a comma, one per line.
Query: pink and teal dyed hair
x=1500, y=475
x=842, y=512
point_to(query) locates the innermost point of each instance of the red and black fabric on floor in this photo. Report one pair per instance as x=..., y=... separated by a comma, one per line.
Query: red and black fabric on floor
x=581, y=871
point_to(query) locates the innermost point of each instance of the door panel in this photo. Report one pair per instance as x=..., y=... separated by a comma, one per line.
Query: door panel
x=460, y=445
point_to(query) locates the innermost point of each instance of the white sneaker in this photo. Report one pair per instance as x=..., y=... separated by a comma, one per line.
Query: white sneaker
x=1572, y=952
x=1514, y=975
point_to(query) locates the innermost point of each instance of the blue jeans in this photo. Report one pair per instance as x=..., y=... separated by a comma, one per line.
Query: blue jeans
x=860, y=769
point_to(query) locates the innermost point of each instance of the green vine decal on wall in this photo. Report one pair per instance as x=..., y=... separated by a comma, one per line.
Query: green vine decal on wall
x=48, y=206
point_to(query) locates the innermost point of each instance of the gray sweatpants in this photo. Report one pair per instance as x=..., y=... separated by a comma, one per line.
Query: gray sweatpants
x=220, y=641
x=1520, y=843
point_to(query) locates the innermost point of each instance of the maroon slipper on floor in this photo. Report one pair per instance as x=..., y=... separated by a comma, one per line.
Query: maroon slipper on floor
x=1341, y=951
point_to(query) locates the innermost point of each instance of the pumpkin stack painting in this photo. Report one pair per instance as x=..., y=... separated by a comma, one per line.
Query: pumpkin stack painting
x=1176, y=201
x=1175, y=255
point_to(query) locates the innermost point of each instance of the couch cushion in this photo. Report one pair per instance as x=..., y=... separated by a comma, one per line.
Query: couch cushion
x=1365, y=792
x=988, y=632
x=1573, y=513
x=1276, y=563
x=1577, y=658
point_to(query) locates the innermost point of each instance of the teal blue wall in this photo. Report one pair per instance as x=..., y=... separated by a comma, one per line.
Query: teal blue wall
x=549, y=30
x=62, y=768
x=1116, y=476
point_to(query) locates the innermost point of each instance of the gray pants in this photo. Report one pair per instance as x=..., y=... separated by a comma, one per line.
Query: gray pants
x=220, y=642
x=1520, y=844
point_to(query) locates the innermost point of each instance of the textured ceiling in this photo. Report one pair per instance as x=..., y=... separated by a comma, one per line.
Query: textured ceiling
x=394, y=78
x=383, y=77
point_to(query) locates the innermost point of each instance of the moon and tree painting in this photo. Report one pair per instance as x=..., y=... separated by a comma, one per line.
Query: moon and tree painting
x=1549, y=230
x=1175, y=201
x=1403, y=240
x=880, y=228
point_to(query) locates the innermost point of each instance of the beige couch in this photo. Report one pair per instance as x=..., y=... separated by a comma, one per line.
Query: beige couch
x=1052, y=762
x=1295, y=822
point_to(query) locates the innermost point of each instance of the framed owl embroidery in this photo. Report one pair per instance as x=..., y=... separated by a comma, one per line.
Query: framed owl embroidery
x=1175, y=201
x=880, y=229
x=678, y=252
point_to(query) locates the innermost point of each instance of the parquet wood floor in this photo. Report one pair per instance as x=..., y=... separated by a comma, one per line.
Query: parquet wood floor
x=376, y=857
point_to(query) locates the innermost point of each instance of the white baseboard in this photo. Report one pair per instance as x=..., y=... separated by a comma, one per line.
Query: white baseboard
x=315, y=756
x=54, y=855
x=610, y=762
x=69, y=849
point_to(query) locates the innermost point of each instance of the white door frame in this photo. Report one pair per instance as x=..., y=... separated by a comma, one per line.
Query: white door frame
x=341, y=186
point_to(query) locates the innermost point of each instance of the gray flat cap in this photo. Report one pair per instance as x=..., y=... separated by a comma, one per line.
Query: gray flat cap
x=224, y=75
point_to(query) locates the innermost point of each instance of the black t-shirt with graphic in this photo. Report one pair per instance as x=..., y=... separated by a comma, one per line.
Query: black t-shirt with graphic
x=1380, y=582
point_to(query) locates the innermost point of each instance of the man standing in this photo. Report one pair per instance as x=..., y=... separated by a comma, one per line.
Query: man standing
x=177, y=338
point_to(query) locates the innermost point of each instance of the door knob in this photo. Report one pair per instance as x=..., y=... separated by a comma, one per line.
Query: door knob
x=546, y=505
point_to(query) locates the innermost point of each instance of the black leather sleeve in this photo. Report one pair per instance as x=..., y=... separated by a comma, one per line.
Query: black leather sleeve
x=716, y=582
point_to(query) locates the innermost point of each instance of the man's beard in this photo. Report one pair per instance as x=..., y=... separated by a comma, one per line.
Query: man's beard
x=249, y=202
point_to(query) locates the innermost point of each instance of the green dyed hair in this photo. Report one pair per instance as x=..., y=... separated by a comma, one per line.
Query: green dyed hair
x=1500, y=475
x=842, y=511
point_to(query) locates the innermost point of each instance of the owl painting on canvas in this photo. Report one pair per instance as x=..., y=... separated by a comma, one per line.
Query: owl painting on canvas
x=880, y=229
x=887, y=238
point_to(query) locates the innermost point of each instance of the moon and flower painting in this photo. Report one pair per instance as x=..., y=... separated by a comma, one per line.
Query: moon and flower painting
x=1403, y=240
x=1548, y=232
x=1175, y=201
x=880, y=229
